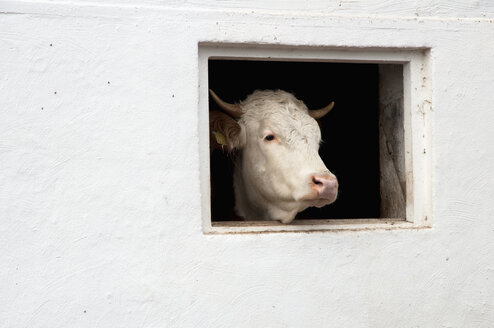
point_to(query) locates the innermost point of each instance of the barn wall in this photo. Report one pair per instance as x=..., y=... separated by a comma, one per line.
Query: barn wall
x=100, y=208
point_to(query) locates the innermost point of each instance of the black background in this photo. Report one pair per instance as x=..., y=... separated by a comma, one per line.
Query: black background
x=350, y=147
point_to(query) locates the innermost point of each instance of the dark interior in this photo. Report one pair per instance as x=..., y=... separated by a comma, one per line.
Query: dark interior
x=350, y=147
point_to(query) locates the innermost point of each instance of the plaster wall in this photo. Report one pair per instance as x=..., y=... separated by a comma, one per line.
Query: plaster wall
x=100, y=204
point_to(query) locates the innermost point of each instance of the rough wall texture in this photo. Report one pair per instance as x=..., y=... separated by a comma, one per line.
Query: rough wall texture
x=100, y=213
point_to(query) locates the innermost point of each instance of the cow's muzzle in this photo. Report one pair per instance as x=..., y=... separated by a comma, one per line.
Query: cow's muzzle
x=326, y=187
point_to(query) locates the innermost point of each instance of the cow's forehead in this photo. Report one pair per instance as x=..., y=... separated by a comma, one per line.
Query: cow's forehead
x=279, y=111
x=270, y=104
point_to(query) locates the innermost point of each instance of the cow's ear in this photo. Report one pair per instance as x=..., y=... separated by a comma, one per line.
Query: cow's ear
x=225, y=132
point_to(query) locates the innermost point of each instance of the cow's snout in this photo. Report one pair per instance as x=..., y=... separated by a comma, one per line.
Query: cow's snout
x=326, y=186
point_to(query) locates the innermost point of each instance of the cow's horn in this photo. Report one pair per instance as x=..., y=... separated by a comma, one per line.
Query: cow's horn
x=319, y=113
x=233, y=110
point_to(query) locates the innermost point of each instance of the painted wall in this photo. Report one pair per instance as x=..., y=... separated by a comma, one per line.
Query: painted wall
x=100, y=209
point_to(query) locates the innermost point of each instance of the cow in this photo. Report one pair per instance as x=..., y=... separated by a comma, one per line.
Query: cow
x=278, y=171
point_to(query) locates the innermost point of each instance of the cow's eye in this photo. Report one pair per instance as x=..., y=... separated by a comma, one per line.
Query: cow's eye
x=269, y=137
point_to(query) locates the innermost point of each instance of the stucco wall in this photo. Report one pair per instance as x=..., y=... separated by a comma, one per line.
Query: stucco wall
x=100, y=208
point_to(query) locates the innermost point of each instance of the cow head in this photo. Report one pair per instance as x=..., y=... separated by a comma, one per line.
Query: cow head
x=278, y=172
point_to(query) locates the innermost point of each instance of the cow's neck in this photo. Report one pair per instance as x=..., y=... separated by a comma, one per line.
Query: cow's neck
x=245, y=206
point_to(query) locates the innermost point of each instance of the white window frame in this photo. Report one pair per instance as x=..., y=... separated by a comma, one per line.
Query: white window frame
x=417, y=125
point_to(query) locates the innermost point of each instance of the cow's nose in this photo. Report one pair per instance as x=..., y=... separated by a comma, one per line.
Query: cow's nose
x=326, y=186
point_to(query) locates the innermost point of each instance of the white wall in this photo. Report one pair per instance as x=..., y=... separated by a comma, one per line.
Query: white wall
x=100, y=208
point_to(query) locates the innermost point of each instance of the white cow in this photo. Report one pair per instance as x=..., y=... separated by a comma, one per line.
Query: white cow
x=278, y=171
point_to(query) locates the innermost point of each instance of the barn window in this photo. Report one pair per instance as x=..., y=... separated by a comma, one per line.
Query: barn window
x=370, y=137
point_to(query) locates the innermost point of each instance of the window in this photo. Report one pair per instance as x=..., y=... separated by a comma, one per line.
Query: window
x=370, y=137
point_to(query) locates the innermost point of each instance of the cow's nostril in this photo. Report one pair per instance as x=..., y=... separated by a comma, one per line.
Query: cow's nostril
x=315, y=181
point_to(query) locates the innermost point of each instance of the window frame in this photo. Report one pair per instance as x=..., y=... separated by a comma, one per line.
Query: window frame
x=417, y=111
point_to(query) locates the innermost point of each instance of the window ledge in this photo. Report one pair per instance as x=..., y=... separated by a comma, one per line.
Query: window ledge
x=309, y=226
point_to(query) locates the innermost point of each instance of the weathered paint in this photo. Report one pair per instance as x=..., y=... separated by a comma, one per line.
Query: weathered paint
x=100, y=203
